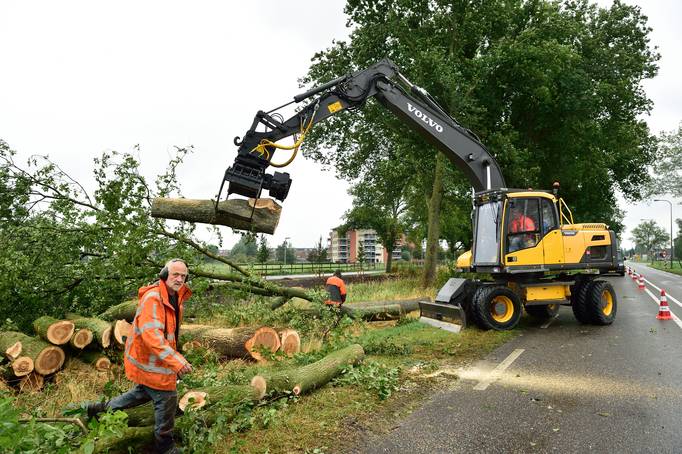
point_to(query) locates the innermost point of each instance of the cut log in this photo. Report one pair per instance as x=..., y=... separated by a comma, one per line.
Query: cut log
x=124, y=311
x=306, y=378
x=381, y=310
x=235, y=342
x=264, y=213
x=101, y=330
x=46, y=358
x=96, y=359
x=279, y=302
x=10, y=345
x=57, y=332
x=81, y=338
x=291, y=342
x=32, y=382
x=122, y=331
x=225, y=394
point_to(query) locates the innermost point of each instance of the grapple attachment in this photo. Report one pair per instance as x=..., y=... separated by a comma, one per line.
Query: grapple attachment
x=448, y=312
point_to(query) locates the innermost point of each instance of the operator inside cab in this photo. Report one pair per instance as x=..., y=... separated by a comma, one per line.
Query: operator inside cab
x=336, y=289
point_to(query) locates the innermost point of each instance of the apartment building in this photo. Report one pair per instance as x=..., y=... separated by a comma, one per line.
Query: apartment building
x=345, y=248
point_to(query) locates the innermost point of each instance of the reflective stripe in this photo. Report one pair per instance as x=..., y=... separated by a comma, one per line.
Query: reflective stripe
x=167, y=351
x=170, y=336
x=149, y=325
x=150, y=367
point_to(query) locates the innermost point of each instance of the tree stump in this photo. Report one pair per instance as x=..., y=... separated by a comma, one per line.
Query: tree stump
x=264, y=213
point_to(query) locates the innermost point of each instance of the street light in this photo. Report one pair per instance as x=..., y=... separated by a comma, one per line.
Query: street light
x=672, y=252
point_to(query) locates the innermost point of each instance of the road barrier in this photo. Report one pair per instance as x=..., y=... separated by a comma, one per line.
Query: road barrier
x=640, y=282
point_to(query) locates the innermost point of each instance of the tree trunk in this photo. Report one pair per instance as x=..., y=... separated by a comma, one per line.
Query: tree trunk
x=81, y=338
x=131, y=437
x=31, y=383
x=291, y=342
x=433, y=235
x=122, y=330
x=10, y=345
x=57, y=332
x=306, y=378
x=235, y=342
x=101, y=330
x=124, y=311
x=279, y=302
x=95, y=359
x=46, y=358
x=382, y=310
x=235, y=213
x=226, y=395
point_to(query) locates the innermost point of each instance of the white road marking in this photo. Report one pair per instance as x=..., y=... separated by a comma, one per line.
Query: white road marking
x=495, y=374
x=549, y=322
x=670, y=297
x=658, y=302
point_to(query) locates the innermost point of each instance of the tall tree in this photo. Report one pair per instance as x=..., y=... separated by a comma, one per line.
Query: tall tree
x=668, y=168
x=318, y=254
x=263, y=253
x=285, y=253
x=553, y=89
x=649, y=237
x=379, y=203
x=246, y=249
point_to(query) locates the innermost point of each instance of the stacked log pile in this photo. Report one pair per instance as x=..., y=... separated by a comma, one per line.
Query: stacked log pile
x=30, y=359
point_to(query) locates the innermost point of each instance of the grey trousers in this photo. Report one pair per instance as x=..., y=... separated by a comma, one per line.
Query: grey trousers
x=165, y=404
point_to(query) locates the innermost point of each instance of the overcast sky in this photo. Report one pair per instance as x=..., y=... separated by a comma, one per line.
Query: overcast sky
x=82, y=77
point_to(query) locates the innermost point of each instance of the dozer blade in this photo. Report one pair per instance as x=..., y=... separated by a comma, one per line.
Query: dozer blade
x=447, y=312
x=449, y=317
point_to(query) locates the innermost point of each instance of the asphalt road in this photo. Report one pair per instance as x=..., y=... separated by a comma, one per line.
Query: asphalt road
x=566, y=388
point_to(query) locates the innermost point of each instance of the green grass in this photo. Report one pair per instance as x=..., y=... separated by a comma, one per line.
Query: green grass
x=665, y=266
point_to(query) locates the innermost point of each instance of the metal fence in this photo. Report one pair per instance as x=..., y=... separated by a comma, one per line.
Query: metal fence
x=269, y=269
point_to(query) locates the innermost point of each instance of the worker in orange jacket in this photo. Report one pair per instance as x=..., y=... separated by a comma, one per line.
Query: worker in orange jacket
x=336, y=289
x=151, y=358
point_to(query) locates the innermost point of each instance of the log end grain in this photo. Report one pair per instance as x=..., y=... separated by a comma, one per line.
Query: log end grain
x=264, y=339
x=60, y=333
x=22, y=366
x=105, y=341
x=122, y=330
x=290, y=342
x=49, y=360
x=192, y=399
x=103, y=364
x=13, y=351
x=81, y=338
x=259, y=384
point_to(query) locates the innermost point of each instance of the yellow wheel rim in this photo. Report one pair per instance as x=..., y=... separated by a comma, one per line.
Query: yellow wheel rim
x=606, y=302
x=501, y=309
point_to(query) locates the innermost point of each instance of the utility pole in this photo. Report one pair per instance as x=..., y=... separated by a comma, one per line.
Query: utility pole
x=672, y=251
x=285, y=249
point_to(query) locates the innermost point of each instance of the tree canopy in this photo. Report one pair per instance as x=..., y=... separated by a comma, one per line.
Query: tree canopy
x=552, y=88
x=649, y=237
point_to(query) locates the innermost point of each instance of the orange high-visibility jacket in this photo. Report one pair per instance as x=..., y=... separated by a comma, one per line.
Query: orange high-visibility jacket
x=337, y=291
x=151, y=357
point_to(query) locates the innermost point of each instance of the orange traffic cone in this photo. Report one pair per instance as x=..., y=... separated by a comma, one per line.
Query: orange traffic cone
x=664, y=309
x=634, y=276
x=640, y=282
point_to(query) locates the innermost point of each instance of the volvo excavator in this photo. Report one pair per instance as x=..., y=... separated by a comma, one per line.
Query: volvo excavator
x=527, y=252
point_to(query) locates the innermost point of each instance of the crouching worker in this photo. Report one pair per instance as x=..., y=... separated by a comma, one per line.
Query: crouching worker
x=336, y=289
x=151, y=358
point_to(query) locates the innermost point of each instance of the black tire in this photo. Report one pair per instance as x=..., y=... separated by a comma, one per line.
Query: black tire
x=543, y=312
x=486, y=306
x=601, y=304
x=579, y=292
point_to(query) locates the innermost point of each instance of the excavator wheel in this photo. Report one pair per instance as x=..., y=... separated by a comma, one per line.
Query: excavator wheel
x=496, y=307
x=579, y=292
x=543, y=312
x=600, y=303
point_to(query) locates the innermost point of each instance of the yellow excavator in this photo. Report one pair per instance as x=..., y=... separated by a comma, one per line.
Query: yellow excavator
x=525, y=242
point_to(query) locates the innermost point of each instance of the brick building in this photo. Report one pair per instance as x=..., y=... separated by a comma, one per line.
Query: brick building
x=345, y=248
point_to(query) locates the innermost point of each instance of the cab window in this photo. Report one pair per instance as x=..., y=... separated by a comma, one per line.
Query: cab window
x=523, y=226
x=549, y=220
